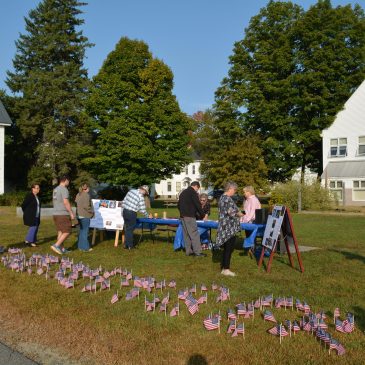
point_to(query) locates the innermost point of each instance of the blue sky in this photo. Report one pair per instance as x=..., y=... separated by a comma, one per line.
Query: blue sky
x=193, y=37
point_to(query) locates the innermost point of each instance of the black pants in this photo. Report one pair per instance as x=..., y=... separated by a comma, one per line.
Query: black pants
x=130, y=220
x=227, y=252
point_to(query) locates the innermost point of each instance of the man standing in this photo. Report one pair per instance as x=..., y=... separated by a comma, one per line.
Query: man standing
x=190, y=207
x=62, y=214
x=133, y=202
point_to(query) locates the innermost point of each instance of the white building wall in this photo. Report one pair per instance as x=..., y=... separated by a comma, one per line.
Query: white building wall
x=179, y=182
x=350, y=124
x=2, y=157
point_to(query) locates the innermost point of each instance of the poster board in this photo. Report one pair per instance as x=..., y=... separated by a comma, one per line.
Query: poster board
x=108, y=215
x=273, y=227
x=279, y=223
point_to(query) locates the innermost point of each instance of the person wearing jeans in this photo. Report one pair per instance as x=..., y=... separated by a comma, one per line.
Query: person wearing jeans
x=31, y=207
x=133, y=202
x=85, y=211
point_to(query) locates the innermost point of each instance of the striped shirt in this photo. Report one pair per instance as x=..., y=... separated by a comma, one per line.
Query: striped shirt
x=134, y=201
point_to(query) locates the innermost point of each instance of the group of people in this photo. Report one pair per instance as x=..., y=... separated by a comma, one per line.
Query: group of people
x=62, y=215
x=191, y=205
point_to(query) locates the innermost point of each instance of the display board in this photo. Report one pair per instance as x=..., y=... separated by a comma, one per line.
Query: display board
x=273, y=227
x=108, y=215
x=279, y=223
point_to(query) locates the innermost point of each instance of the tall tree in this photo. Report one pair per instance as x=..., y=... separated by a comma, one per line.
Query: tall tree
x=226, y=154
x=329, y=49
x=51, y=83
x=289, y=77
x=257, y=93
x=141, y=134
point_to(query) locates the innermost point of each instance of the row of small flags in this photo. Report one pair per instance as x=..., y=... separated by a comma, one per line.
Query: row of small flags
x=17, y=261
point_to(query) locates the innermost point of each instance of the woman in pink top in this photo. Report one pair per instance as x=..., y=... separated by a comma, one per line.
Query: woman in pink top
x=250, y=205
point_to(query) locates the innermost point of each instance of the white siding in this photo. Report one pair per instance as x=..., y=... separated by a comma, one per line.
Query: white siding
x=183, y=179
x=350, y=124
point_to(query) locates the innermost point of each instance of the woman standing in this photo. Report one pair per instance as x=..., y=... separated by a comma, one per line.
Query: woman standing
x=31, y=215
x=228, y=225
x=84, y=211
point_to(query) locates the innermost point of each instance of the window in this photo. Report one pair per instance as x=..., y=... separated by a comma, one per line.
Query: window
x=193, y=167
x=358, y=190
x=338, y=147
x=336, y=188
x=186, y=170
x=169, y=186
x=361, y=149
x=178, y=186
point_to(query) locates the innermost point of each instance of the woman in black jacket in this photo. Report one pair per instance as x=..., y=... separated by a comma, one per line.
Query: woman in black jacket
x=31, y=215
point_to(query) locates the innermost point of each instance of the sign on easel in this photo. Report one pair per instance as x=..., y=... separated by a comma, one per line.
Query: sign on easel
x=108, y=215
x=279, y=221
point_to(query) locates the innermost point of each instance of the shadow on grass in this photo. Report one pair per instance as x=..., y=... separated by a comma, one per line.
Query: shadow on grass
x=350, y=255
x=197, y=359
x=39, y=242
x=359, y=317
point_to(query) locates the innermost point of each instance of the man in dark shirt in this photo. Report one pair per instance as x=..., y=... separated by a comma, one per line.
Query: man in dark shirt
x=190, y=207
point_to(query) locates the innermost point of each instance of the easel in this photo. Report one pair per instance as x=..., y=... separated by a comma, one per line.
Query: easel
x=287, y=229
x=101, y=236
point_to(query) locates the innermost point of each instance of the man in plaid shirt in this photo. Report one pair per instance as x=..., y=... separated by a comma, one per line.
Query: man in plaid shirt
x=133, y=203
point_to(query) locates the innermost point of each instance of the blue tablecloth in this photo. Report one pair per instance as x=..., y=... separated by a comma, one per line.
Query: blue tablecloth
x=203, y=226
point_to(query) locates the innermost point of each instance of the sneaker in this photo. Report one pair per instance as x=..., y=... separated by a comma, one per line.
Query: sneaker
x=64, y=250
x=56, y=249
x=228, y=273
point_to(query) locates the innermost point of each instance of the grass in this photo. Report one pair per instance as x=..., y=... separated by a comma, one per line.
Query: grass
x=91, y=330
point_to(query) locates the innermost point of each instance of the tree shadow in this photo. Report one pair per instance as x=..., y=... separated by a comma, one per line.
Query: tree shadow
x=39, y=242
x=350, y=255
x=197, y=359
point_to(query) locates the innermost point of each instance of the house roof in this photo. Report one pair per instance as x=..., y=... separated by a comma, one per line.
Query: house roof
x=344, y=169
x=4, y=116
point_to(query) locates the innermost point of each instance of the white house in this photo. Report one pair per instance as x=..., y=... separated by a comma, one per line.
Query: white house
x=344, y=151
x=4, y=122
x=171, y=188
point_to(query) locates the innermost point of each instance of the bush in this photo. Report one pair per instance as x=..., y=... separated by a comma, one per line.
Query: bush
x=113, y=192
x=314, y=196
x=15, y=198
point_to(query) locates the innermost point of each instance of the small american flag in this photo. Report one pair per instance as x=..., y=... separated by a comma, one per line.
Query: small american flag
x=203, y=288
x=257, y=303
x=296, y=327
x=231, y=326
x=182, y=295
x=321, y=324
x=231, y=314
x=267, y=301
x=268, y=316
x=106, y=275
x=214, y=286
x=241, y=309
x=211, y=323
x=172, y=284
x=175, y=310
x=203, y=299
x=39, y=271
x=299, y=305
x=124, y=282
x=193, y=308
x=115, y=298
x=240, y=329
x=137, y=282
x=339, y=326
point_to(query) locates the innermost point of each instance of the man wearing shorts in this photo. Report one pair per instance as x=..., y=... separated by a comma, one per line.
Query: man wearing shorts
x=62, y=214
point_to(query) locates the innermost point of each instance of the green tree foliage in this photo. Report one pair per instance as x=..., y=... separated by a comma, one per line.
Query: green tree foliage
x=50, y=83
x=226, y=155
x=141, y=134
x=289, y=76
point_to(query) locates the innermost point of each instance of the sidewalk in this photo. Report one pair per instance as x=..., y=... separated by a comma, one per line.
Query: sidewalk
x=9, y=356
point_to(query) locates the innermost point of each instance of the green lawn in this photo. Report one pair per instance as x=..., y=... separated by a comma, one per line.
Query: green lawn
x=91, y=330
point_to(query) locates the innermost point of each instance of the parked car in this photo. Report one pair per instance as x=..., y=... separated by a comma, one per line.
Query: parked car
x=215, y=194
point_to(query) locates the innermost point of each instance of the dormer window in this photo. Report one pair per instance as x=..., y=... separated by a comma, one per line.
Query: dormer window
x=338, y=147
